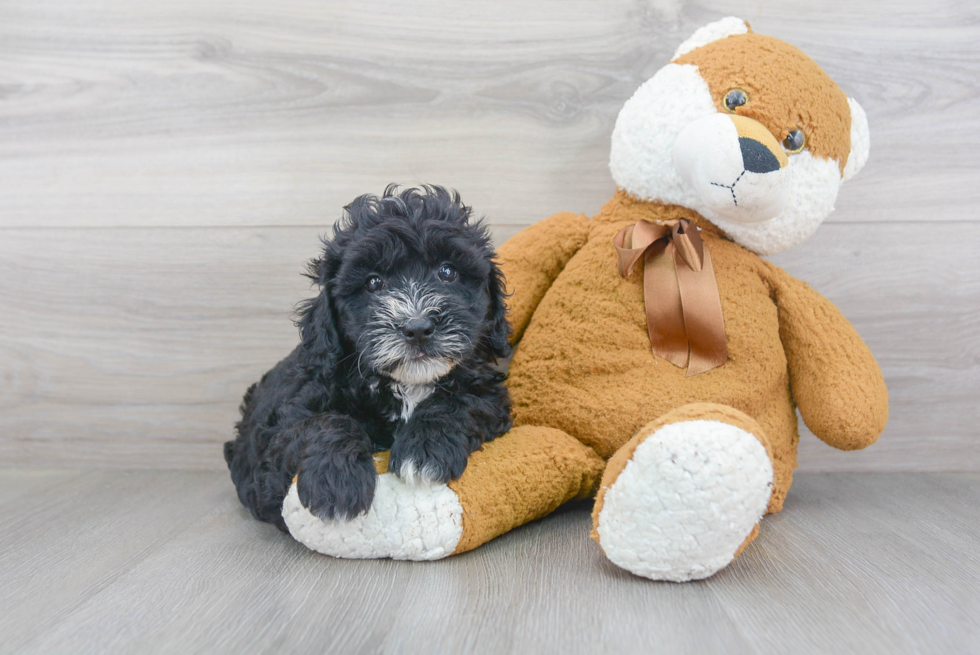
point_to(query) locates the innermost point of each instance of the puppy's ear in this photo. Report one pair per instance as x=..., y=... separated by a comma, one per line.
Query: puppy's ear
x=499, y=334
x=319, y=338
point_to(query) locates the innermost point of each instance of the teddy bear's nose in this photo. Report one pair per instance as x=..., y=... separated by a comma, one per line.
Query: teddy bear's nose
x=756, y=157
x=761, y=153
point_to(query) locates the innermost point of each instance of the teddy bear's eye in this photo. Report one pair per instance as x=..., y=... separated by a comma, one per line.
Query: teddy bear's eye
x=794, y=141
x=735, y=99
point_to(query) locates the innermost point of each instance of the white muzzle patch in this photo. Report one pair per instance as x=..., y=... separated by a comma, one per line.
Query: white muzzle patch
x=708, y=158
x=421, y=371
x=675, y=101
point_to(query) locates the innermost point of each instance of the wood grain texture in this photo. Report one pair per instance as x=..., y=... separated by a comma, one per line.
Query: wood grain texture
x=168, y=562
x=65, y=536
x=165, y=170
x=125, y=347
x=914, y=296
x=237, y=112
x=133, y=347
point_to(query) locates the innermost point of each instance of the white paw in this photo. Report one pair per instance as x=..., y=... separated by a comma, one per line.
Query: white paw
x=686, y=501
x=413, y=522
x=413, y=476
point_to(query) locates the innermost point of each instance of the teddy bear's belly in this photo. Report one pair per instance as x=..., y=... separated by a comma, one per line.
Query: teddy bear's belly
x=584, y=364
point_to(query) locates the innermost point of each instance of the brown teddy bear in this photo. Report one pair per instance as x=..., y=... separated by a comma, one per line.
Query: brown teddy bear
x=660, y=361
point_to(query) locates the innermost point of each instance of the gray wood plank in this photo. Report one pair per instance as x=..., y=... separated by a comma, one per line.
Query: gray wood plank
x=236, y=112
x=545, y=579
x=132, y=347
x=16, y=484
x=905, y=291
x=142, y=341
x=855, y=563
x=849, y=559
x=65, y=542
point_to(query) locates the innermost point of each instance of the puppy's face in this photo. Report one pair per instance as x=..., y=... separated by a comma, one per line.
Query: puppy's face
x=413, y=286
x=412, y=303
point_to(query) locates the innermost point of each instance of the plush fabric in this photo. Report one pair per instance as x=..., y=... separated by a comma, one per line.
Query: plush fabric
x=688, y=464
x=584, y=363
x=519, y=477
x=685, y=413
x=685, y=498
x=513, y=479
x=786, y=89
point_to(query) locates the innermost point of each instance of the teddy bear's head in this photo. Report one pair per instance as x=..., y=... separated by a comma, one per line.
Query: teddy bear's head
x=746, y=130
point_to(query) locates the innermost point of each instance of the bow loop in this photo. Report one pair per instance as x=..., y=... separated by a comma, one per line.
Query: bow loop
x=683, y=308
x=688, y=242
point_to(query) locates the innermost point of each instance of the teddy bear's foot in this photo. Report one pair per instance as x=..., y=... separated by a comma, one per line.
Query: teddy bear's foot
x=405, y=521
x=688, y=496
x=513, y=479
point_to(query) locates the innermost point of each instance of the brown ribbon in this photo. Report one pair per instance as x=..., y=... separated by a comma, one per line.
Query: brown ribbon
x=683, y=309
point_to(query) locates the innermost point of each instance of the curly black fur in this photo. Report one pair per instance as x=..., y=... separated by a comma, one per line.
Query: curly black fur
x=362, y=379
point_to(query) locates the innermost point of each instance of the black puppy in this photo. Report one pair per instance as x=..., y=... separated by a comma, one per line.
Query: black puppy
x=396, y=353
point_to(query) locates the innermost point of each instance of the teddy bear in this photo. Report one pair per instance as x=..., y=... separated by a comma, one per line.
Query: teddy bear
x=659, y=360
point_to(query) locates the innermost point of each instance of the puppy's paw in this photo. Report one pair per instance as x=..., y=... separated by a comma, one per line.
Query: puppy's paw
x=336, y=487
x=411, y=474
x=428, y=461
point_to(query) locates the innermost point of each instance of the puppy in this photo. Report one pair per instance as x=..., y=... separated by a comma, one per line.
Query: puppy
x=396, y=352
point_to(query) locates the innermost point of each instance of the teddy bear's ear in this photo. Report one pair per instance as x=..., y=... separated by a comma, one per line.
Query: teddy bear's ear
x=860, y=141
x=719, y=29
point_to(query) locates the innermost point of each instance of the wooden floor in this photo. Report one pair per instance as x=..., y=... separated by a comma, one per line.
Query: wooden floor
x=167, y=561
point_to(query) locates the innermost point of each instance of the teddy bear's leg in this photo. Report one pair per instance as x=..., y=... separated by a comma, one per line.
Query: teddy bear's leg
x=682, y=498
x=518, y=477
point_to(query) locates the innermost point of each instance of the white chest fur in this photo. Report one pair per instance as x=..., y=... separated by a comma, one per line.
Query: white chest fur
x=410, y=396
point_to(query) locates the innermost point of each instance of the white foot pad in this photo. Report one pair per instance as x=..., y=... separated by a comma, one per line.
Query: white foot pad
x=414, y=522
x=686, y=501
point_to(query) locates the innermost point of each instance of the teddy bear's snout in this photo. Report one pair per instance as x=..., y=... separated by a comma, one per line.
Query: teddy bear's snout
x=734, y=165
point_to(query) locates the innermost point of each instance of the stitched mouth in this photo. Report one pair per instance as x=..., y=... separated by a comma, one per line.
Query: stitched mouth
x=731, y=187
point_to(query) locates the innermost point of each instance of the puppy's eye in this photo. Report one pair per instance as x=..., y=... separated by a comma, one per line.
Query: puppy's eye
x=447, y=273
x=735, y=99
x=794, y=141
x=374, y=283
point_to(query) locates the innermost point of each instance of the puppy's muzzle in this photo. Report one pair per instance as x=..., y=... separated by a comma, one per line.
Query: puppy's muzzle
x=734, y=165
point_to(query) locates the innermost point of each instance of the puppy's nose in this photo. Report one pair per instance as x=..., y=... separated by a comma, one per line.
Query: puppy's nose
x=418, y=330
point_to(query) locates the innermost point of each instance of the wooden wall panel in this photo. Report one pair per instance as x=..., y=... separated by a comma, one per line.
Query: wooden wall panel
x=242, y=112
x=133, y=346
x=165, y=169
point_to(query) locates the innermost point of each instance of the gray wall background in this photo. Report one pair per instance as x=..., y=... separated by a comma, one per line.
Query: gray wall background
x=166, y=169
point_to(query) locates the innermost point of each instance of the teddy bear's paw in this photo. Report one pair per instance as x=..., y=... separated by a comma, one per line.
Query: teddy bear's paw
x=687, y=500
x=412, y=522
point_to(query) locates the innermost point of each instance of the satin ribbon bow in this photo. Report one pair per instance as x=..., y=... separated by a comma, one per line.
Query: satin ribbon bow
x=683, y=309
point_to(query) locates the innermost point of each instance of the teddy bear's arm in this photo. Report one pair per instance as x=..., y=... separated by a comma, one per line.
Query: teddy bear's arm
x=533, y=258
x=836, y=381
